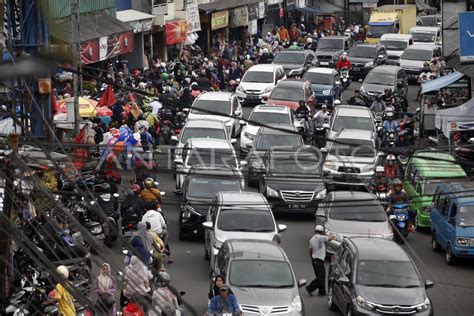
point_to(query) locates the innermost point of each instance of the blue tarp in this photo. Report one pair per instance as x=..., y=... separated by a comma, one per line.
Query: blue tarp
x=441, y=82
x=381, y=23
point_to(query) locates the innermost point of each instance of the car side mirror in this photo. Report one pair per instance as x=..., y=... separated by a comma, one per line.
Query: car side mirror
x=237, y=113
x=174, y=138
x=178, y=161
x=242, y=122
x=344, y=280
x=282, y=228
x=302, y=283
x=233, y=141
x=324, y=150
x=207, y=225
x=380, y=56
x=429, y=284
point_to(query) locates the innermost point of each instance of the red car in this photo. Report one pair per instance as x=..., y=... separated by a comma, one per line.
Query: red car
x=289, y=92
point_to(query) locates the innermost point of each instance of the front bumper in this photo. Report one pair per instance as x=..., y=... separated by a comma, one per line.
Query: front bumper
x=412, y=74
x=247, y=98
x=326, y=63
x=464, y=252
x=359, y=311
x=349, y=179
x=192, y=226
x=360, y=71
x=279, y=205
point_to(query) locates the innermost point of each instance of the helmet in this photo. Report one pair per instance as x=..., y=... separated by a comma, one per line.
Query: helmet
x=390, y=115
x=318, y=228
x=265, y=50
x=164, y=277
x=390, y=159
x=105, y=187
x=128, y=193
x=136, y=188
x=149, y=182
x=343, y=57
x=397, y=182
x=63, y=271
x=309, y=40
x=164, y=76
x=337, y=102
x=163, y=64
x=379, y=169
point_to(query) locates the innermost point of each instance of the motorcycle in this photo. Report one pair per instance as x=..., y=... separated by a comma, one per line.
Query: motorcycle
x=390, y=138
x=381, y=192
x=320, y=132
x=338, y=90
x=400, y=220
x=233, y=84
x=345, y=79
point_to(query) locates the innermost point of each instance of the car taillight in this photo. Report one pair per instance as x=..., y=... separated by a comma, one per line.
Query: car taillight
x=130, y=226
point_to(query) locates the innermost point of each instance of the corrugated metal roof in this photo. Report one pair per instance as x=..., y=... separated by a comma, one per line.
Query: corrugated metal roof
x=224, y=5
x=62, y=8
x=133, y=15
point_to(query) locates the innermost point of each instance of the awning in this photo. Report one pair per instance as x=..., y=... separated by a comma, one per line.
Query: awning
x=441, y=82
x=139, y=21
x=92, y=26
x=224, y=5
x=311, y=10
x=454, y=119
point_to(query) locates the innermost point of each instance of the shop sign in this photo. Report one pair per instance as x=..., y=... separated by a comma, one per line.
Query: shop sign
x=239, y=17
x=107, y=47
x=219, y=20
x=466, y=37
x=142, y=26
x=176, y=32
x=192, y=16
x=253, y=27
x=254, y=11
x=369, y=4
x=261, y=10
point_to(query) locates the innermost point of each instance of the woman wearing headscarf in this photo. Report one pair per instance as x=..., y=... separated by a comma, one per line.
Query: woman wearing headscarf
x=186, y=100
x=141, y=244
x=105, y=288
x=136, y=280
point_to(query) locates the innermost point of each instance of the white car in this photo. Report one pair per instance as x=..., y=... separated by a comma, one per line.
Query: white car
x=351, y=117
x=395, y=44
x=225, y=103
x=258, y=82
x=205, y=152
x=264, y=114
x=426, y=35
x=415, y=56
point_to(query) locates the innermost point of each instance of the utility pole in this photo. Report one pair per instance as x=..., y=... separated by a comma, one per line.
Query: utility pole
x=77, y=62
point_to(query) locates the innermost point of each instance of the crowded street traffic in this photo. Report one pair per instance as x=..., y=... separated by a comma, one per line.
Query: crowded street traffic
x=253, y=159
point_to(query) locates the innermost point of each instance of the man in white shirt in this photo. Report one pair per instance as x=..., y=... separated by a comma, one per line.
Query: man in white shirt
x=317, y=246
x=158, y=225
x=156, y=105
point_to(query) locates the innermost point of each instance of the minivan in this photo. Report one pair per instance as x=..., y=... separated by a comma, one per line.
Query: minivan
x=452, y=221
x=260, y=275
x=426, y=35
x=423, y=172
x=415, y=56
x=395, y=44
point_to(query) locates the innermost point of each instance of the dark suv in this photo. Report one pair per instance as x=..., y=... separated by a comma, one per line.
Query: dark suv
x=330, y=48
x=365, y=57
x=292, y=180
x=374, y=276
x=295, y=62
x=199, y=189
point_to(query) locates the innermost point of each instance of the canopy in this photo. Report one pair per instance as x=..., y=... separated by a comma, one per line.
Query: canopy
x=441, y=82
x=455, y=119
x=87, y=107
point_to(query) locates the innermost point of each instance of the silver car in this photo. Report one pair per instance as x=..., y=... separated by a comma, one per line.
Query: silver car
x=352, y=213
x=259, y=273
x=245, y=215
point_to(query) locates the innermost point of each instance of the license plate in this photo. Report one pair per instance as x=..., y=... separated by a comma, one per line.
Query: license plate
x=296, y=206
x=252, y=97
x=324, y=63
x=355, y=68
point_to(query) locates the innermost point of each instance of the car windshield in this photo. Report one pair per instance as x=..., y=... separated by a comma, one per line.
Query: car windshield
x=381, y=273
x=417, y=54
x=330, y=43
x=429, y=20
x=375, y=31
x=351, y=122
x=423, y=37
x=221, y=107
x=289, y=58
x=358, y=148
x=207, y=187
x=211, y=157
x=287, y=94
x=395, y=45
x=192, y=132
x=319, y=78
x=466, y=215
x=261, y=273
x=258, y=76
x=380, y=78
x=245, y=219
x=270, y=118
x=295, y=165
x=360, y=211
x=362, y=51
x=266, y=142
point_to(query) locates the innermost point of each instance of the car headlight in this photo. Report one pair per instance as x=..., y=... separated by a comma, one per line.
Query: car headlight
x=368, y=168
x=296, y=305
x=268, y=89
x=240, y=89
x=272, y=192
x=463, y=242
x=217, y=244
x=249, y=136
x=388, y=236
x=330, y=165
x=326, y=92
x=369, y=64
x=362, y=302
x=322, y=194
x=425, y=306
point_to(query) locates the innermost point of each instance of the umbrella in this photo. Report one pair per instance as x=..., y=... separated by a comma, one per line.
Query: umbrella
x=103, y=111
x=86, y=106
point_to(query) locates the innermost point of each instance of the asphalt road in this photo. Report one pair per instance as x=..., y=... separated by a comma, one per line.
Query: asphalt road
x=452, y=295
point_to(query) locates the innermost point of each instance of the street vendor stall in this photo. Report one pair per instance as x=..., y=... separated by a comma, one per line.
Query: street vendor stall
x=442, y=93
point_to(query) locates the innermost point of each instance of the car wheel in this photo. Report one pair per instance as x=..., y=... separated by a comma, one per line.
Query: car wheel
x=331, y=305
x=435, y=246
x=450, y=257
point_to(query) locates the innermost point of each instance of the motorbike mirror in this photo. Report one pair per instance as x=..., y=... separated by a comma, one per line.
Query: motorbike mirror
x=207, y=225
x=429, y=284
x=343, y=280
x=380, y=56
x=233, y=141
x=178, y=161
x=116, y=195
x=156, y=183
x=125, y=252
x=186, y=110
x=237, y=113
x=324, y=150
x=92, y=202
x=471, y=140
x=242, y=122
x=243, y=163
x=174, y=138
x=326, y=126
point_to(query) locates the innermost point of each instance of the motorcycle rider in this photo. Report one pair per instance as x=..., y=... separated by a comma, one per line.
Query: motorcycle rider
x=398, y=195
x=343, y=62
x=166, y=300
x=378, y=179
x=223, y=304
x=356, y=98
x=132, y=205
x=151, y=195
x=387, y=96
x=402, y=140
x=266, y=57
x=391, y=168
x=389, y=126
x=377, y=107
x=304, y=111
x=319, y=119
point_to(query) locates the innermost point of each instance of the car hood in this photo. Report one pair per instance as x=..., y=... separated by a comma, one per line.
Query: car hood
x=290, y=66
x=397, y=53
x=328, y=52
x=354, y=228
x=200, y=205
x=350, y=160
x=291, y=104
x=265, y=296
x=360, y=60
x=378, y=88
x=464, y=231
x=300, y=183
x=260, y=86
x=225, y=235
x=411, y=63
x=321, y=87
x=392, y=296
x=223, y=119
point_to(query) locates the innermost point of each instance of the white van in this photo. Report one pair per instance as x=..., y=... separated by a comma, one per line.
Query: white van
x=395, y=44
x=426, y=35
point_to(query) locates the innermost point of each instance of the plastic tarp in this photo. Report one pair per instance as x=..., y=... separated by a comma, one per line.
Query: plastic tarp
x=441, y=82
x=7, y=126
x=455, y=119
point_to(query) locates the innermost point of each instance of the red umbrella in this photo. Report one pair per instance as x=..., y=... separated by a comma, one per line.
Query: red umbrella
x=103, y=111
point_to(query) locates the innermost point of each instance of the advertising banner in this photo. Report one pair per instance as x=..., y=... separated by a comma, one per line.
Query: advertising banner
x=219, y=20
x=254, y=11
x=176, y=32
x=466, y=37
x=107, y=47
x=192, y=15
x=239, y=17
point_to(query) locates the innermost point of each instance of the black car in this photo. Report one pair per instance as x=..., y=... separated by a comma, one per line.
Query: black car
x=268, y=137
x=294, y=61
x=365, y=57
x=374, y=276
x=292, y=180
x=330, y=48
x=199, y=189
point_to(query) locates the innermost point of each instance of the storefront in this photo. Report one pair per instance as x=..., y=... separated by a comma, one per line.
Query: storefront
x=275, y=13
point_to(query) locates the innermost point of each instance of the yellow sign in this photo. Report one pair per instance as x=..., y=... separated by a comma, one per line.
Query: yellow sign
x=219, y=20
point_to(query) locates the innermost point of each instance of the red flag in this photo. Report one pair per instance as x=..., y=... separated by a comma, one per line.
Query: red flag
x=108, y=98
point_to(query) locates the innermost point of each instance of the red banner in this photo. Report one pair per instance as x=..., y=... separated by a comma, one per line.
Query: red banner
x=176, y=32
x=107, y=47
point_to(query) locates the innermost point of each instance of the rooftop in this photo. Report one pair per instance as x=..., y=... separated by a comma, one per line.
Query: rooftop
x=216, y=96
x=252, y=249
x=378, y=249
